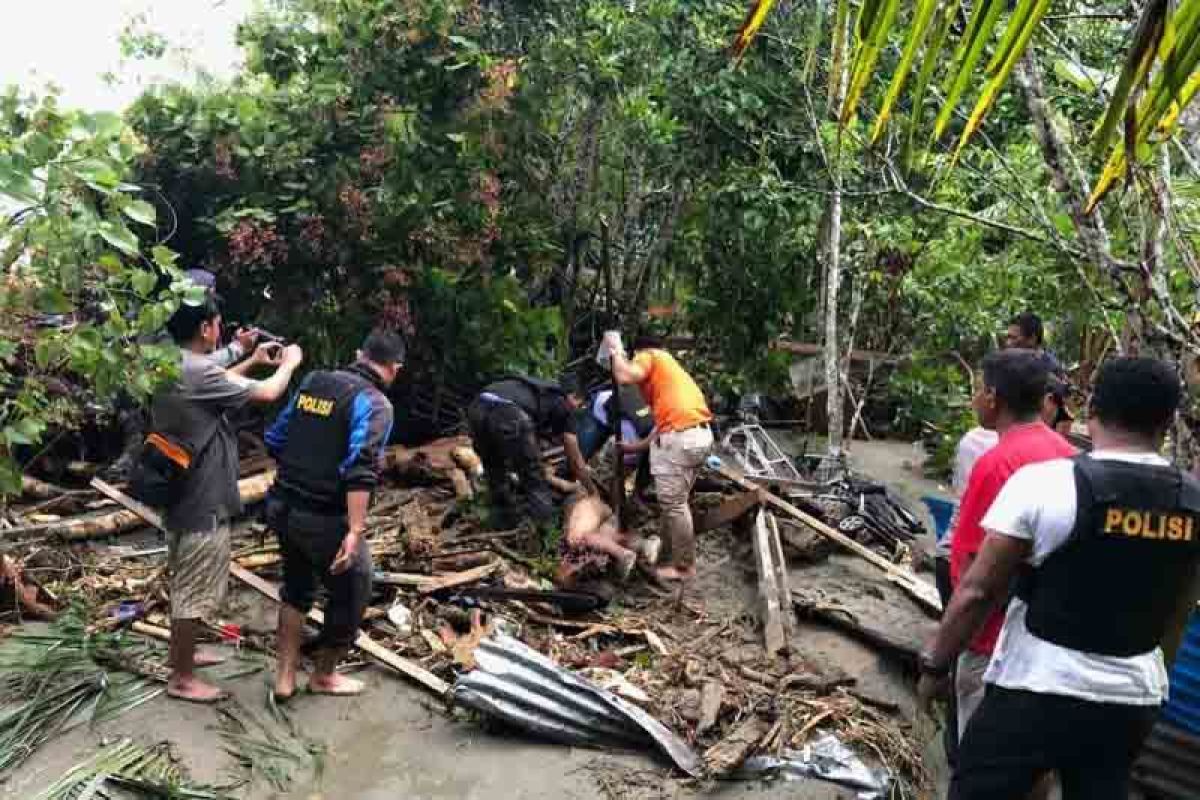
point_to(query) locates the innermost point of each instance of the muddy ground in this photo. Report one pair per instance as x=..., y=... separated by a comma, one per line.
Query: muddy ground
x=395, y=741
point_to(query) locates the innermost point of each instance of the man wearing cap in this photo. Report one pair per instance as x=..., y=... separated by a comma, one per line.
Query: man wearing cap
x=683, y=442
x=506, y=419
x=328, y=443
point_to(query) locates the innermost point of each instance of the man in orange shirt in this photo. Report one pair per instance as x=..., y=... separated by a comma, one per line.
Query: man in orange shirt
x=684, y=441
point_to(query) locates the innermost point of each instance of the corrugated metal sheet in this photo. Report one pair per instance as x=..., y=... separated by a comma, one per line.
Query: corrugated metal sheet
x=1183, y=708
x=519, y=685
x=1169, y=766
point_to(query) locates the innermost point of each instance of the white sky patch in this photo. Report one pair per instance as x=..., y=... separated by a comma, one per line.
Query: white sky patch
x=74, y=44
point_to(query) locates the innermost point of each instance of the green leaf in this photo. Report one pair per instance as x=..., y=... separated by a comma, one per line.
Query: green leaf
x=143, y=282
x=96, y=173
x=165, y=257
x=140, y=211
x=106, y=124
x=7, y=349
x=119, y=237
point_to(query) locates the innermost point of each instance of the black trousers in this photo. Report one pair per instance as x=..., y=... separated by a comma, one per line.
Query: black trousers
x=1015, y=737
x=308, y=543
x=505, y=439
x=950, y=733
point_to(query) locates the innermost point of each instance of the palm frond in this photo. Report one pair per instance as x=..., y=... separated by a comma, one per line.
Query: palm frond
x=874, y=22
x=61, y=679
x=268, y=749
x=750, y=27
x=1174, y=86
x=142, y=771
x=921, y=23
x=929, y=62
x=1146, y=39
x=1020, y=29
x=984, y=18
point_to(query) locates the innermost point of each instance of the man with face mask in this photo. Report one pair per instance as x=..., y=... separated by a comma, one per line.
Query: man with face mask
x=329, y=443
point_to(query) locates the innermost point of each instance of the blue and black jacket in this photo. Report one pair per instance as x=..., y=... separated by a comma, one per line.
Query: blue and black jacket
x=329, y=440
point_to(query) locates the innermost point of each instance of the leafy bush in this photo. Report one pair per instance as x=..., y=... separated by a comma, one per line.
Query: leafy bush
x=82, y=299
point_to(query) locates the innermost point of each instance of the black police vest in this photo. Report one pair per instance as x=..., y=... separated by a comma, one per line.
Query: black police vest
x=541, y=399
x=1115, y=584
x=318, y=438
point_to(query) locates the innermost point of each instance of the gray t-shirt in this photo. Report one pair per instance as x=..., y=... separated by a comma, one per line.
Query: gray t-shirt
x=194, y=412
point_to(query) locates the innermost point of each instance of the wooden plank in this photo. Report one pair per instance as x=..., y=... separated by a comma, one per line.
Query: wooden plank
x=924, y=593
x=410, y=579
x=362, y=641
x=728, y=511
x=771, y=605
x=787, y=612
x=459, y=578
x=143, y=511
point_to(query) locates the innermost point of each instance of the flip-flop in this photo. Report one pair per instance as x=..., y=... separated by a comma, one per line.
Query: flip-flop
x=200, y=701
x=338, y=693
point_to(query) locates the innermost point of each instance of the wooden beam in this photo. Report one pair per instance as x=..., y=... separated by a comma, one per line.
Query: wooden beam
x=772, y=604
x=924, y=593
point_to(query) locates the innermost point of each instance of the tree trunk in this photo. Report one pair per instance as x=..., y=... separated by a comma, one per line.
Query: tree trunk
x=833, y=246
x=1068, y=178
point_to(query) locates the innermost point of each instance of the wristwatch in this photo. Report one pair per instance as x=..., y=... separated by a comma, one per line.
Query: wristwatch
x=929, y=666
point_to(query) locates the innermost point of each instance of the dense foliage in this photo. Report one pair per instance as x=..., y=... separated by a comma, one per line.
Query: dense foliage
x=503, y=181
x=86, y=290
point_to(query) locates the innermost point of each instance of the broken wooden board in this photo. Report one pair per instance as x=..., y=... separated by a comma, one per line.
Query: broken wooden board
x=781, y=578
x=729, y=511
x=924, y=593
x=459, y=578
x=774, y=597
x=728, y=754
x=712, y=696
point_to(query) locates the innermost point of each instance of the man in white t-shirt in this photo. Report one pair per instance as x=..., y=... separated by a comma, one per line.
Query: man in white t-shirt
x=1105, y=547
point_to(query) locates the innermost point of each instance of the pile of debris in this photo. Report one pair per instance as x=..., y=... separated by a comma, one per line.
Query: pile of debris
x=471, y=615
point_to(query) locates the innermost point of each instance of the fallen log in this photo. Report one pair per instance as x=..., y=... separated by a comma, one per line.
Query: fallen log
x=98, y=526
x=35, y=489
x=924, y=593
x=362, y=641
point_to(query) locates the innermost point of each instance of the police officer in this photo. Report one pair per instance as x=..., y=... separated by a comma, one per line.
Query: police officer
x=506, y=420
x=328, y=443
x=1106, y=545
x=592, y=428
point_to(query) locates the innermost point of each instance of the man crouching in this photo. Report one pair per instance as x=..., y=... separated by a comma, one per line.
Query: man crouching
x=329, y=443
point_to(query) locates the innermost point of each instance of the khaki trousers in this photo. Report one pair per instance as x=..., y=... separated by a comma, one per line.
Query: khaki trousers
x=675, y=460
